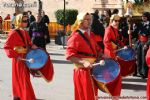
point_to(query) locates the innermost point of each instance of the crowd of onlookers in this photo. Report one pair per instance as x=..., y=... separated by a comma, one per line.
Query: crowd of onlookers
x=39, y=23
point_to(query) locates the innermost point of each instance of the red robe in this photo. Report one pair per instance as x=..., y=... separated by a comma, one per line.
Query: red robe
x=21, y=85
x=83, y=82
x=110, y=36
x=148, y=80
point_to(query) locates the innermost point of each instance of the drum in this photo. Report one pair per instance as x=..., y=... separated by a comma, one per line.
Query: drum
x=39, y=63
x=126, y=59
x=106, y=75
x=39, y=57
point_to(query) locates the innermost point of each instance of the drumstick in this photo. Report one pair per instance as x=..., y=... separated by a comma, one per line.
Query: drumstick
x=101, y=62
x=31, y=60
x=125, y=47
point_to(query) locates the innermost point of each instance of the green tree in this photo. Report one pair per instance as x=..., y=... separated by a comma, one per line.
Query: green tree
x=70, y=16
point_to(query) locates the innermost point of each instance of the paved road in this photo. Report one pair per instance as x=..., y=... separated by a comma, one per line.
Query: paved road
x=61, y=88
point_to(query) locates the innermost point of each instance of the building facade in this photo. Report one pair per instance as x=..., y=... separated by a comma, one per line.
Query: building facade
x=50, y=6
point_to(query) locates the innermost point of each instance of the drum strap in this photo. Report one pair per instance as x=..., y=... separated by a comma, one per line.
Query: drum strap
x=86, y=54
x=117, y=39
x=88, y=42
x=20, y=34
x=18, y=31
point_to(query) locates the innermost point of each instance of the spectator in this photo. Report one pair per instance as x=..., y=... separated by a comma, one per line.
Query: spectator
x=31, y=17
x=115, y=11
x=98, y=29
x=107, y=14
x=143, y=32
x=7, y=17
x=38, y=33
x=12, y=21
x=1, y=22
x=45, y=21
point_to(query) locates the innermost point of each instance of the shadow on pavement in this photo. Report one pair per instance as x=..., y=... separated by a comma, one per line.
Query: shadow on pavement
x=133, y=86
x=56, y=54
x=134, y=80
x=61, y=61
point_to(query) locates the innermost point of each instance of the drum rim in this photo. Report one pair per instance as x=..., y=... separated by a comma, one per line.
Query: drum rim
x=118, y=57
x=118, y=71
x=41, y=66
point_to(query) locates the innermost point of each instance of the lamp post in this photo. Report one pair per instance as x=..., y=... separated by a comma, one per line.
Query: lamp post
x=64, y=24
x=39, y=7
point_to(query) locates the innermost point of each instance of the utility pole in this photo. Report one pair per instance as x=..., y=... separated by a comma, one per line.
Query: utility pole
x=64, y=23
x=39, y=7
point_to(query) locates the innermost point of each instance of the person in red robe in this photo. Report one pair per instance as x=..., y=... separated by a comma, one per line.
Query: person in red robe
x=112, y=38
x=21, y=85
x=16, y=47
x=148, y=79
x=111, y=44
x=83, y=53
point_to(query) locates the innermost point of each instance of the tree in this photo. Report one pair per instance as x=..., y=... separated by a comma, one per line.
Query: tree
x=70, y=16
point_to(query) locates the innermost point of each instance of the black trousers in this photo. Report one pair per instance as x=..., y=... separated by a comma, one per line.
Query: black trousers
x=141, y=62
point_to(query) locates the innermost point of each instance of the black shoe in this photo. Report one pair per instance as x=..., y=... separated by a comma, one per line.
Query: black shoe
x=135, y=74
x=143, y=76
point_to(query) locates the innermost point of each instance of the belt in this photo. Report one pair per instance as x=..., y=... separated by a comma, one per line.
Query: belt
x=37, y=34
x=20, y=49
x=91, y=60
x=143, y=38
x=114, y=46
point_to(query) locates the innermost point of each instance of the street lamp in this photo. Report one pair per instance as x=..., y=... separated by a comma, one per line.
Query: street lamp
x=64, y=24
x=39, y=7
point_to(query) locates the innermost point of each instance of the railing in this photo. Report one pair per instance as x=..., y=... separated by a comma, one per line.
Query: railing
x=53, y=28
x=6, y=26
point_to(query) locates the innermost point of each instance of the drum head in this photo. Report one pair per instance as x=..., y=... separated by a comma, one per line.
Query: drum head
x=126, y=54
x=39, y=56
x=106, y=73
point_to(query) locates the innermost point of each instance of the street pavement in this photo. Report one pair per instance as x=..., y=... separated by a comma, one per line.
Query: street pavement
x=61, y=88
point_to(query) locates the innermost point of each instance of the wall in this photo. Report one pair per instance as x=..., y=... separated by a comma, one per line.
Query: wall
x=50, y=6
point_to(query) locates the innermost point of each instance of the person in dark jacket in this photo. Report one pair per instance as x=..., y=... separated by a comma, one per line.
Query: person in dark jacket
x=31, y=18
x=37, y=32
x=143, y=31
x=98, y=29
x=45, y=21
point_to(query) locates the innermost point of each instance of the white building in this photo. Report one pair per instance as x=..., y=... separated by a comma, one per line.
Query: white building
x=50, y=6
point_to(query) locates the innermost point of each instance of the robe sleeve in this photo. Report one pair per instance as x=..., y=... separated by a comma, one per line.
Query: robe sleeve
x=72, y=46
x=148, y=57
x=9, y=45
x=107, y=39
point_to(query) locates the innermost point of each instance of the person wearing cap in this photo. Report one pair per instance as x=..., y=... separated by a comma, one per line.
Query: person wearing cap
x=82, y=51
x=143, y=31
x=111, y=44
